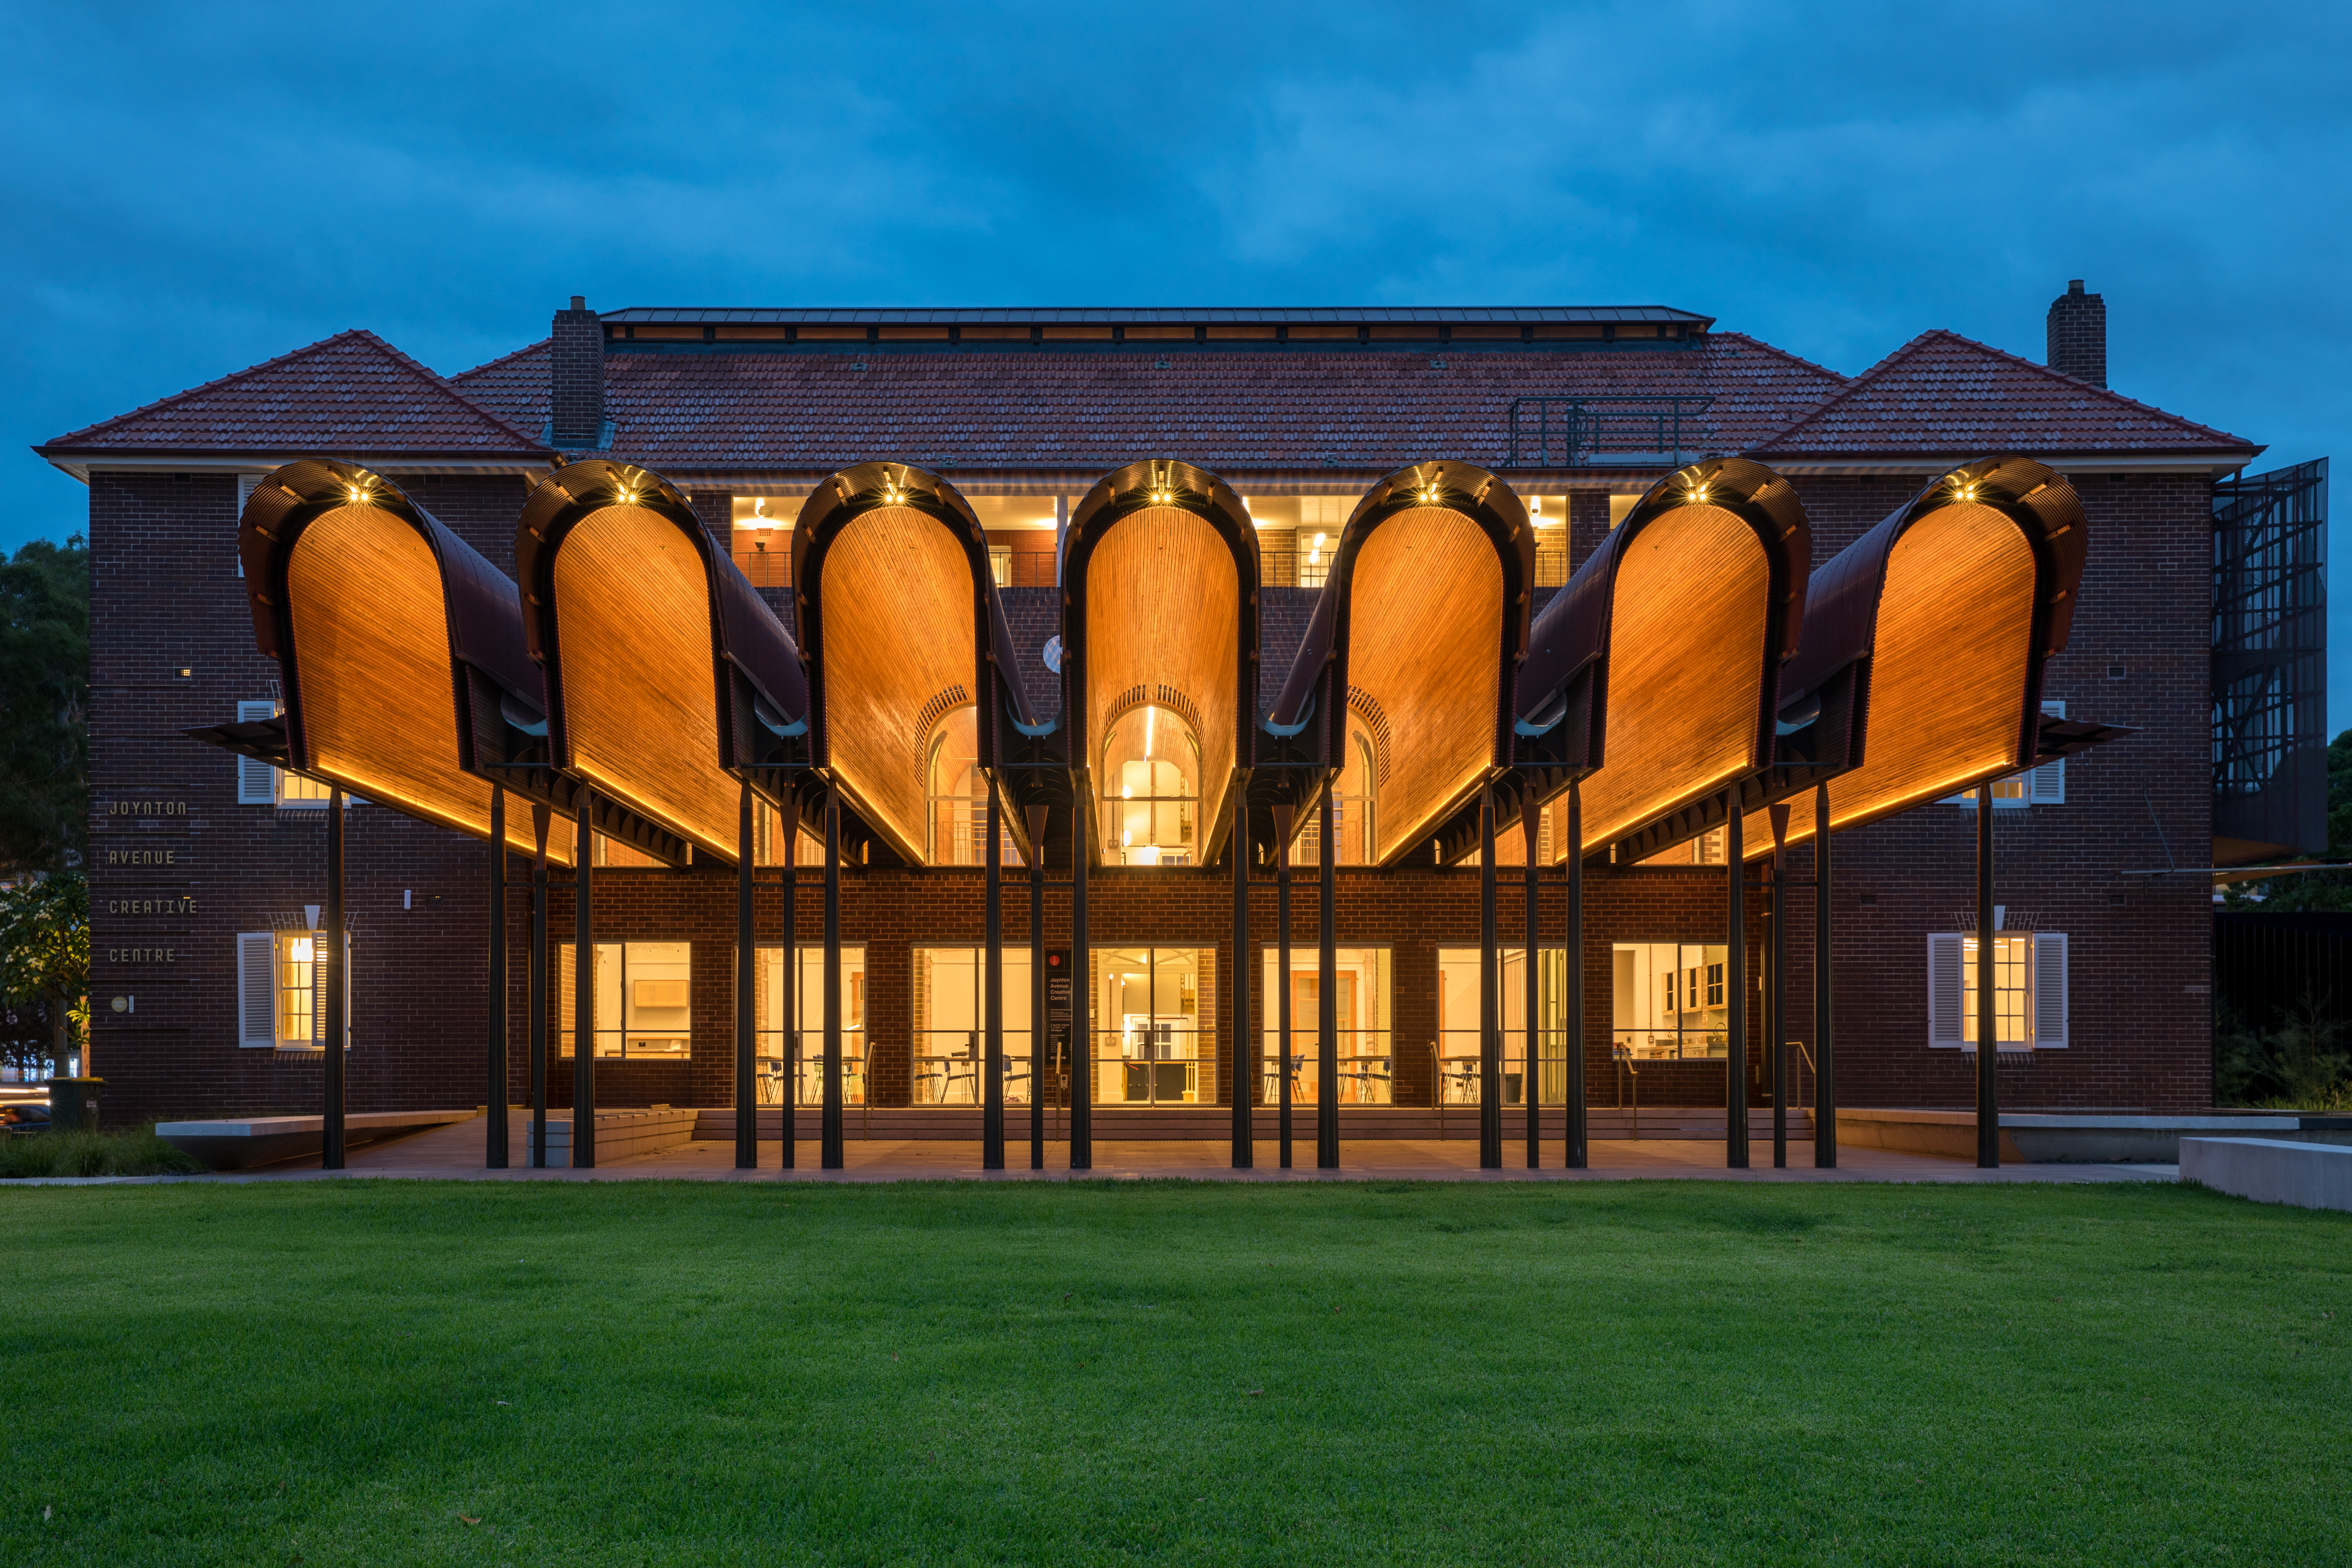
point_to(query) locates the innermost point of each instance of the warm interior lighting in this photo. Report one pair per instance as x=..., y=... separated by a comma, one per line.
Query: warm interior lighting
x=1148, y=715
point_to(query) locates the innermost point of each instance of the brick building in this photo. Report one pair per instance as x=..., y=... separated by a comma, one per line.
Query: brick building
x=207, y=868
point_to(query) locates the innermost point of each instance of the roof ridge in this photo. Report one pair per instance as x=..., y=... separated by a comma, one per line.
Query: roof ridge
x=432, y=380
x=457, y=376
x=1911, y=349
x=1775, y=349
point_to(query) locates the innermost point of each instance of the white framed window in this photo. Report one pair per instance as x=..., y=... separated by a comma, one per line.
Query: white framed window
x=279, y=994
x=2044, y=785
x=258, y=784
x=644, y=1005
x=2029, y=990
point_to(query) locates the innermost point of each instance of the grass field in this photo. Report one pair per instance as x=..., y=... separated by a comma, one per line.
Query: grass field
x=1686, y=1373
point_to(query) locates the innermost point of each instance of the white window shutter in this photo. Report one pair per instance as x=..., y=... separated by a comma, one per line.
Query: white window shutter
x=257, y=988
x=2049, y=990
x=1944, y=989
x=2046, y=786
x=256, y=782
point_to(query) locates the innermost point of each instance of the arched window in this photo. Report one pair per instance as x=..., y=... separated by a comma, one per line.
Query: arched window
x=1355, y=797
x=956, y=791
x=1150, y=789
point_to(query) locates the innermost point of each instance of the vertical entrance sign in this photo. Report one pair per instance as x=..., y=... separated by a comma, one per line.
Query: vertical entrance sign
x=494, y=1153
x=583, y=991
x=1987, y=1015
x=1734, y=996
x=329, y=953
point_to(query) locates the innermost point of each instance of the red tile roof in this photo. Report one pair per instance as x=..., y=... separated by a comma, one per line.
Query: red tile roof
x=352, y=394
x=1044, y=408
x=1941, y=393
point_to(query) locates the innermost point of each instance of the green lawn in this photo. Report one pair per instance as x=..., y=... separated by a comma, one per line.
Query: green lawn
x=350, y=1373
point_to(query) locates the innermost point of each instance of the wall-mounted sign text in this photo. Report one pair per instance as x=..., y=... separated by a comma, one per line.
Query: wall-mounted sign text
x=147, y=808
x=142, y=856
x=139, y=955
x=150, y=906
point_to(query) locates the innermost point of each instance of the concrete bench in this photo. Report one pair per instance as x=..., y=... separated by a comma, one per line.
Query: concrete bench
x=235, y=1145
x=2271, y=1170
x=620, y=1135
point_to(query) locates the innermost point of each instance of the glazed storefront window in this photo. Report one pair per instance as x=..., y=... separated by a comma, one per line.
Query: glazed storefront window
x=642, y=991
x=1367, y=1065
x=1457, y=1023
x=1666, y=1000
x=951, y=1013
x=772, y=1060
x=1149, y=1045
x=1150, y=786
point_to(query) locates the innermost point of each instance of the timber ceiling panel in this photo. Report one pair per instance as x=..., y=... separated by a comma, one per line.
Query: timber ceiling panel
x=1687, y=648
x=640, y=705
x=897, y=633
x=1949, y=664
x=1163, y=608
x=1425, y=644
x=372, y=650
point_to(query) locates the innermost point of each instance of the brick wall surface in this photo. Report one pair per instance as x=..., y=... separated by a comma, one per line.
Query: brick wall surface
x=167, y=597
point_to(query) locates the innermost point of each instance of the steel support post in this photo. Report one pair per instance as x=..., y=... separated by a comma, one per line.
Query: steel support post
x=1082, y=977
x=1735, y=994
x=584, y=991
x=1579, y=1149
x=540, y=822
x=787, y=1006
x=1283, y=1025
x=1037, y=1031
x=1777, y=1013
x=1326, y=998
x=991, y=1018
x=1531, y=1074
x=1987, y=1015
x=1490, y=996
x=328, y=951
x=829, y=1153
x=495, y=1152
x=1245, y=1114
x=1824, y=1055
x=747, y=979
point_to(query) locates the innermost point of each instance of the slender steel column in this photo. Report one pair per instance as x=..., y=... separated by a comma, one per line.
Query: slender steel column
x=1578, y=1152
x=1987, y=1015
x=747, y=979
x=830, y=1152
x=584, y=994
x=328, y=953
x=1245, y=1124
x=1490, y=996
x=495, y=1153
x=1082, y=1000
x=1825, y=1072
x=1530, y=1074
x=1037, y=1031
x=539, y=822
x=992, y=1067
x=1735, y=994
x=1282, y=820
x=1777, y=1014
x=1327, y=999
x=788, y=1004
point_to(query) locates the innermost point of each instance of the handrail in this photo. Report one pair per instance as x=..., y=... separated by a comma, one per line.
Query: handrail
x=1584, y=427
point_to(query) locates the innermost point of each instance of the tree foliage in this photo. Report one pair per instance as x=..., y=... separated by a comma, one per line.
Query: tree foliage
x=43, y=703
x=2312, y=891
x=44, y=953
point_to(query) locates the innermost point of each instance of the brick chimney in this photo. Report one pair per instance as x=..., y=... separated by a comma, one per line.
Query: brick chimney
x=577, y=366
x=2078, y=335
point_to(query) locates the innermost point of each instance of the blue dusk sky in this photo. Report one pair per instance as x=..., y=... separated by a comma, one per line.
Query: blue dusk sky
x=194, y=188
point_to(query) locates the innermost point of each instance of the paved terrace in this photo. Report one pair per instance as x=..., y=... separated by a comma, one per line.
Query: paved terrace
x=454, y=1151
